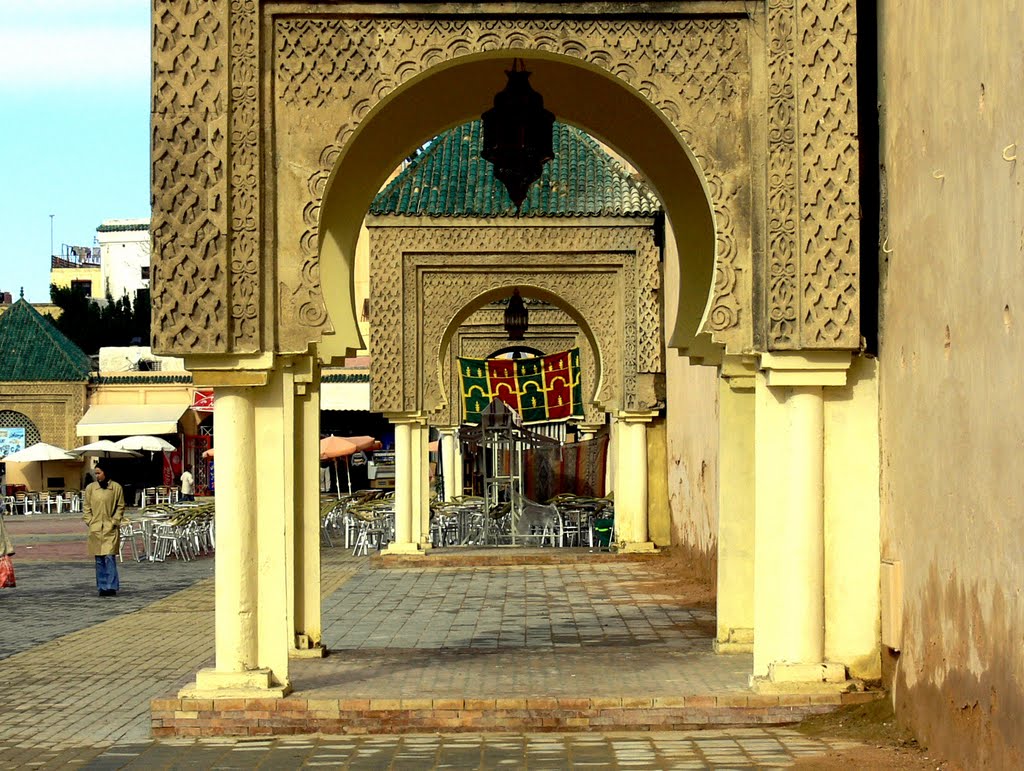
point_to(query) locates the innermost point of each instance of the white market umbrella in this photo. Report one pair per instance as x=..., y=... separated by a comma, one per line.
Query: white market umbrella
x=143, y=442
x=40, y=451
x=104, y=448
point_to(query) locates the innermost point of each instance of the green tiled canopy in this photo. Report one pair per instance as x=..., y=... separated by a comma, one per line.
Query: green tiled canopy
x=32, y=348
x=450, y=179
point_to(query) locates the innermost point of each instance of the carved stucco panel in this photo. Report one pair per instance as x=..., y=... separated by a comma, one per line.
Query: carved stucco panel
x=829, y=163
x=695, y=70
x=593, y=294
x=245, y=178
x=400, y=319
x=189, y=226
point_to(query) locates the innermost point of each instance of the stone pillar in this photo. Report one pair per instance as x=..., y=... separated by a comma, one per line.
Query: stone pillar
x=422, y=503
x=631, y=481
x=306, y=597
x=255, y=414
x=735, y=610
x=448, y=444
x=407, y=483
x=789, y=603
x=235, y=562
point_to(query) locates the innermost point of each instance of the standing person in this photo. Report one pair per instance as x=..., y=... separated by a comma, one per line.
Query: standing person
x=6, y=552
x=103, y=511
x=188, y=485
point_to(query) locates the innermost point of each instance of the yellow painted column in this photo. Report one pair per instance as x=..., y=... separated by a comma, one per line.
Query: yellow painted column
x=449, y=446
x=306, y=447
x=423, y=488
x=460, y=481
x=735, y=611
x=235, y=562
x=631, y=481
x=277, y=478
x=789, y=605
x=249, y=600
x=406, y=487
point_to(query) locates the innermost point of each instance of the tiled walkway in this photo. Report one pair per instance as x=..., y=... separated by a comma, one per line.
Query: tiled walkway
x=77, y=674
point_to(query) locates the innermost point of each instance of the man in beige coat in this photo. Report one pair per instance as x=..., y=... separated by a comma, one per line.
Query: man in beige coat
x=103, y=510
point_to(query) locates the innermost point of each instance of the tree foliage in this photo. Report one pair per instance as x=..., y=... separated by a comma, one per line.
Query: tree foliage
x=92, y=326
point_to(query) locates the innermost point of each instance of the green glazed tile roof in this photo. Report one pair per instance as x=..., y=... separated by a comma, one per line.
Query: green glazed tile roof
x=31, y=348
x=184, y=379
x=347, y=377
x=123, y=228
x=450, y=179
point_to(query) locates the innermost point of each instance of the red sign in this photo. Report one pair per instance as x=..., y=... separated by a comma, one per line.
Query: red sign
x=202, y=400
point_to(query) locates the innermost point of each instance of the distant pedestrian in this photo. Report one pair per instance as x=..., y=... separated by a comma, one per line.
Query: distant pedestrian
x=103, y=511
x=6, y=552
x=188, y=485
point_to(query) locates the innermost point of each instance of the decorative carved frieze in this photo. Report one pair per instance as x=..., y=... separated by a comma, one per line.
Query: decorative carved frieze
x=189, y=224
x=695, y=70
x=830, y=222
x=422, y=278
x=245, y=178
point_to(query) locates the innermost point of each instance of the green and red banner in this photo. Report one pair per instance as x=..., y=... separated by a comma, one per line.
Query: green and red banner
x=541, y=389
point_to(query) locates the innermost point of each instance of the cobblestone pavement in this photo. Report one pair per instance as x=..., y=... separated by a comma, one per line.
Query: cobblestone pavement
x=733, y=749
x=78, y=671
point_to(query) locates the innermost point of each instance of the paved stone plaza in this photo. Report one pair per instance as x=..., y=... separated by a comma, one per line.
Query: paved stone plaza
x=78, y=672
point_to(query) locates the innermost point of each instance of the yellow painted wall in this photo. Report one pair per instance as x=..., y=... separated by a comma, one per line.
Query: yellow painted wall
x=951, y=374
x=63, y=277
x=691, y=441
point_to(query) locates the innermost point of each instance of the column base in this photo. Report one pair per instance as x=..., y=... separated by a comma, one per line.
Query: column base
x=827, y=675
x=313, y=652
x=647, y=547
x=250, y=684
x=405, y=549
x=738, y=640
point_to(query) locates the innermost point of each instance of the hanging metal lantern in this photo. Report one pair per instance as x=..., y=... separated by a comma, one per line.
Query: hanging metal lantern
x=517, y=320
x=517, y=134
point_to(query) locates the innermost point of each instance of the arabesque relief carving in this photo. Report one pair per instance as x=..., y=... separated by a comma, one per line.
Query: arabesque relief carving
x=210, y=128
x=698, y=74
x=422, y=277
x=813, y=241
x=189, y=224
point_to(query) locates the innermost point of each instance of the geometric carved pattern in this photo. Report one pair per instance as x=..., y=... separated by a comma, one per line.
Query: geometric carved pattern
x=813, y=237
x=245, y=176
x=695, y=70
x=829, y=161
x=53, y=409
x=421, y=278
x=189, y=178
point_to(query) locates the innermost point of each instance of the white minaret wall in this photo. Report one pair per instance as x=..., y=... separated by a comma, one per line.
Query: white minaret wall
x=124, y=245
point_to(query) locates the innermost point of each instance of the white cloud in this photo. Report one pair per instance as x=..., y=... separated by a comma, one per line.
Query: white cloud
x=73, y=44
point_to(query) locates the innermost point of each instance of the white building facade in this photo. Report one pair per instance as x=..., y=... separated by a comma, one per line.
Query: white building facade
x=125, y=249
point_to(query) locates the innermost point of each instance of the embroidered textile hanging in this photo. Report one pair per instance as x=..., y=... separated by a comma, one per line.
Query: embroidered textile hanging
x=542, y=389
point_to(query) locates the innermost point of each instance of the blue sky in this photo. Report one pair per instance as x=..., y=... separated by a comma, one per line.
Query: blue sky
x=74, y=127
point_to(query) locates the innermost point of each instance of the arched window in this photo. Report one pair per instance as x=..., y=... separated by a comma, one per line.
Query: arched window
x=12, y=419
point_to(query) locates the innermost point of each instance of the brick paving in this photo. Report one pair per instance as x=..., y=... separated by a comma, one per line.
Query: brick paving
x=78, y=673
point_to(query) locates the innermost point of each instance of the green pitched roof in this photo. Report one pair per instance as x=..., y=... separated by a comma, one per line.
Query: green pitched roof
x=32, y=348
x=450, y=179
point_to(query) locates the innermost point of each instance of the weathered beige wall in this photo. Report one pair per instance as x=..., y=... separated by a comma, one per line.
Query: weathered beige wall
x=691, y=418
x=952, y=343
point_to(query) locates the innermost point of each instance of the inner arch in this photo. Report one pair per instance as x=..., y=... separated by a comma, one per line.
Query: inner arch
x=454, y=92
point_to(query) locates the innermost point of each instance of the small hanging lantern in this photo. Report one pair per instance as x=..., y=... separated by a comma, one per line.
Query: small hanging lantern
x=517, y=134
x=517, y=320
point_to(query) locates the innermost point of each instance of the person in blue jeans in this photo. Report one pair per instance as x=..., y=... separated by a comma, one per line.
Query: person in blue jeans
x=103, y=511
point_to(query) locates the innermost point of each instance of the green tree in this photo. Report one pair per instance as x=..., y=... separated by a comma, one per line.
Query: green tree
x=91, y=327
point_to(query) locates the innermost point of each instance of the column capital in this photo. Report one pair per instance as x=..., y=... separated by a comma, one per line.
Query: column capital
x=739, y=372
x=806, y=368
x=242, y=370
x=408, y=418
x=636, y=416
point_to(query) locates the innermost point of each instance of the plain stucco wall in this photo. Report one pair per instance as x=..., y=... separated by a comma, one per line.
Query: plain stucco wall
x=691, y=418
x=952, y=347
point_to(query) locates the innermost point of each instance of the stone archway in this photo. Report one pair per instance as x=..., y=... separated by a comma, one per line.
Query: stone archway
x=274, y=123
